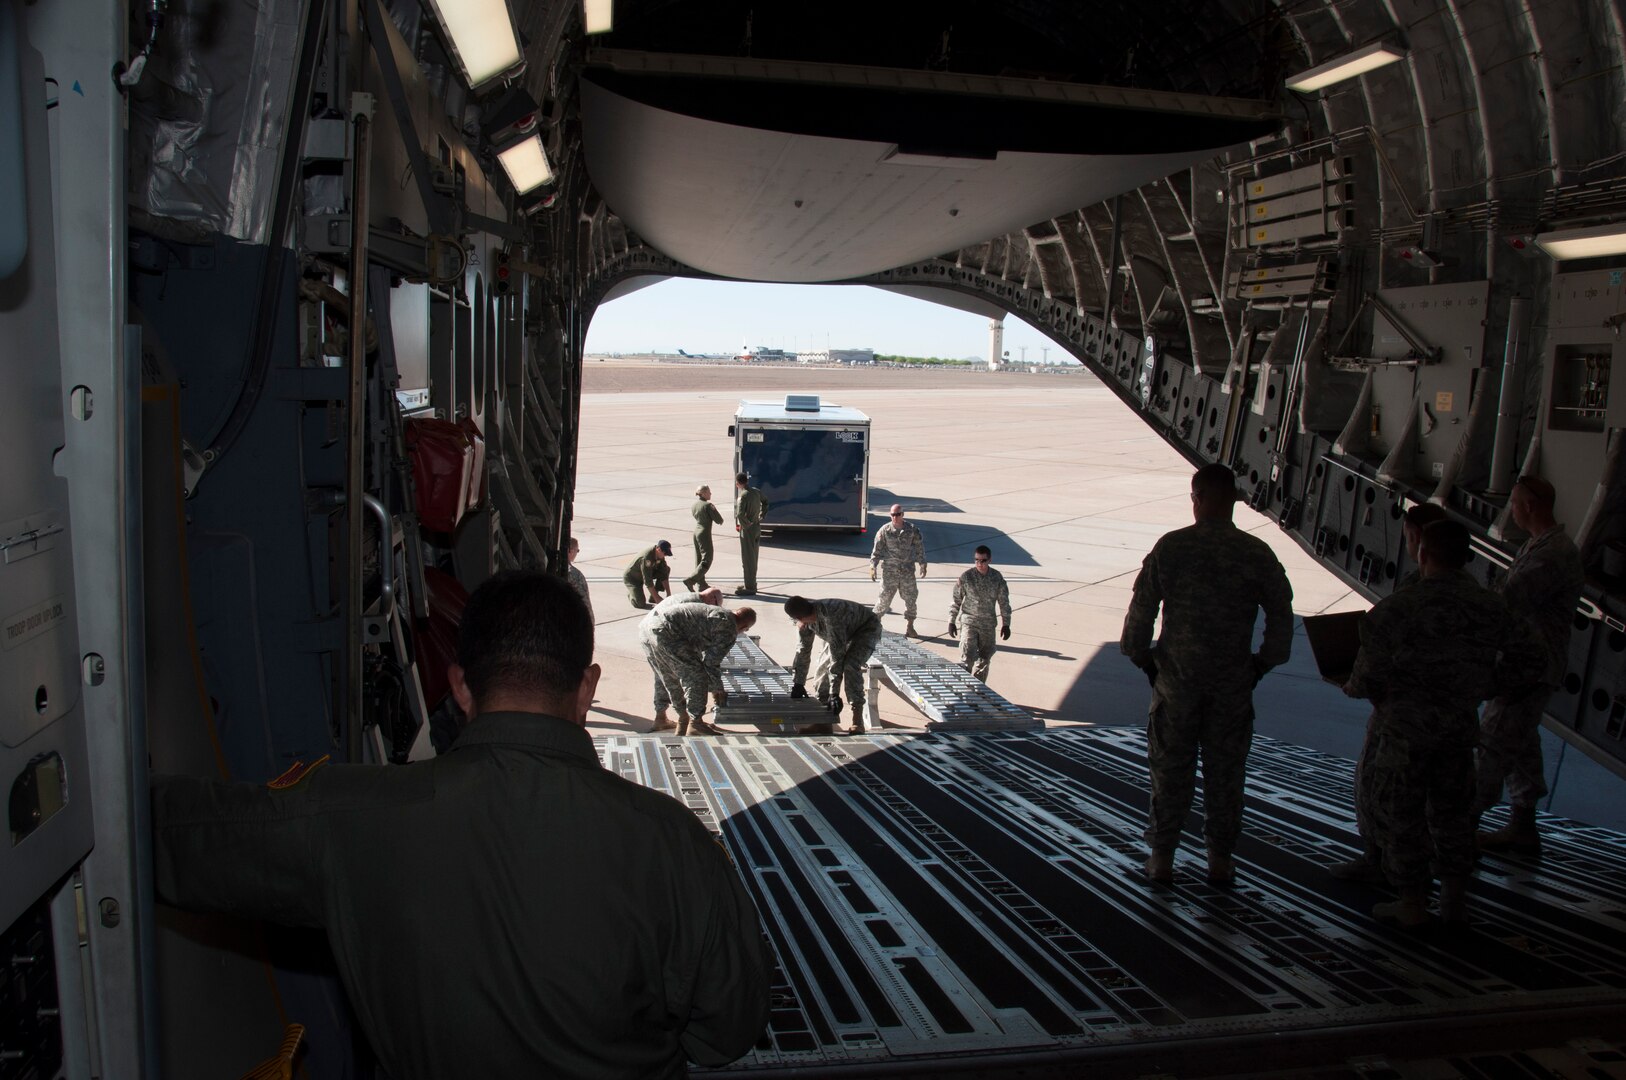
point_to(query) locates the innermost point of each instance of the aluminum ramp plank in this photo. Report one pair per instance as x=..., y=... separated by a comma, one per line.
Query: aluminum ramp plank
x=980, y=894
x=946, y=693
x=759, y=692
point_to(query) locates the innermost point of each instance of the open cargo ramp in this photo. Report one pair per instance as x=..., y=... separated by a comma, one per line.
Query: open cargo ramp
x=952, y=904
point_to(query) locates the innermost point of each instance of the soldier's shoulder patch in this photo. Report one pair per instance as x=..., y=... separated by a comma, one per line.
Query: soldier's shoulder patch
x=297, y=772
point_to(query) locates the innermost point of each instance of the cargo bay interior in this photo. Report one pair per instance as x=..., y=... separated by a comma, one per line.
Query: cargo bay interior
x=293, y=297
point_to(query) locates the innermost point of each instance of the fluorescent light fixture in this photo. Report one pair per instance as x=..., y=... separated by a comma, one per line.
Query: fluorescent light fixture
x=1591, y=243
x=1369, y=58
x=599, y=15
x=526, y=164
x=481, y=35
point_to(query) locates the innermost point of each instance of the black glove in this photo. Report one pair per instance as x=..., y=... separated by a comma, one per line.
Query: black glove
x=1150, y=667
x=1005, y=632
x=798, y=691
x=1259, y=670
x=954, y=630
x=835, y=705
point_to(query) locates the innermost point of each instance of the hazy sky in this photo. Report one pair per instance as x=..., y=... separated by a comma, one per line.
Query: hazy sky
x=721, y=316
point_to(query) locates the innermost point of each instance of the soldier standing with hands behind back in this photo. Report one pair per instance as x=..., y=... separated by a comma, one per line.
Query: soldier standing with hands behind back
x=749, y=509
x=1210, y=579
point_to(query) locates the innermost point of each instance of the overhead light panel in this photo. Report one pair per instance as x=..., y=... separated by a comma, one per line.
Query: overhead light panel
x=1592, y=243
x=599, y=15
x=526, y=164
x=481, y=35
x=1370, y=58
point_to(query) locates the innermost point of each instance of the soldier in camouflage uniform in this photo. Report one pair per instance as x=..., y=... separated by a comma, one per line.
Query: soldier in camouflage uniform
x=1210, y=579
x=850, y=631
x=1369, y=867
x=577, y=579
x=705, y=515
x=685, y=643
x=749, y=509
x=662, y=699
x=1429, y=654
x=1544, y=586
x=648, y=570
x=979, y=592
x=898, y=549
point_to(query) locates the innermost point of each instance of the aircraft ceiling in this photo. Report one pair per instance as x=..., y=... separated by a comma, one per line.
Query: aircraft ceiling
x=1504, y=117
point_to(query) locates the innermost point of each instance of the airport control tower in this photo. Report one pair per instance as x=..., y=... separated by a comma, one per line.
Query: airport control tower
x=996, y=343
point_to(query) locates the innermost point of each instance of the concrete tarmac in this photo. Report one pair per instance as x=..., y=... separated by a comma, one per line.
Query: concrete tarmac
x=1067, y=486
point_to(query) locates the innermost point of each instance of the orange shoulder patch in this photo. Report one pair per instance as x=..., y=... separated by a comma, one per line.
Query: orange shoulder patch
x=297, y=772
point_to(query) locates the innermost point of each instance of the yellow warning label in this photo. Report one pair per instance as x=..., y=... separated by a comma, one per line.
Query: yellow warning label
x=1442, y=401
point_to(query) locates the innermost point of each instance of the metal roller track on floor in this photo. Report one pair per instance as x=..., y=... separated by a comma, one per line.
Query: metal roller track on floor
x=932, y=897
x=946, y=692
x=759, y=692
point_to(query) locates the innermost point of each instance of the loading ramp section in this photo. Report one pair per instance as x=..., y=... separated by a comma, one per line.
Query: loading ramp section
x=951, y=700
x=948, y=694
x=932, y=899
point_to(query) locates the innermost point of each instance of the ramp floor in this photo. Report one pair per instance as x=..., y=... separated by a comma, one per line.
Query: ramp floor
x=939, y=903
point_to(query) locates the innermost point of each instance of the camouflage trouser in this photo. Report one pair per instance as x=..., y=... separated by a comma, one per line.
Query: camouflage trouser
x=1421, y=796
x=750, y=542
x=1510, y=749
x=1220, y=729
x=1363, y=793
x=852, y=671
x=662, y=672
x=977, y=644
x=680, y=678
x=702, y=562
x=898, y=578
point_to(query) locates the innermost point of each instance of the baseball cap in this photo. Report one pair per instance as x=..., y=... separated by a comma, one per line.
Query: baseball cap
x=665, y=546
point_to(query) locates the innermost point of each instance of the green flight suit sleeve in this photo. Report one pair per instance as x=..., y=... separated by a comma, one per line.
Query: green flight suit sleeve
x=715, y=514
x=729, y=1009
x=239, y=848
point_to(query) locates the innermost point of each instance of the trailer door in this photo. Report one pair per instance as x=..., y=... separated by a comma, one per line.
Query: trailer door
x=813, y=477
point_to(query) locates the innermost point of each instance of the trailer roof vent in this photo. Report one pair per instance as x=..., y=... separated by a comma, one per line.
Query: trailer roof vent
x=801, y=403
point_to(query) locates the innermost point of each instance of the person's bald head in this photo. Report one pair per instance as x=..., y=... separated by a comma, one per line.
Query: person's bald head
x=712, y=596
x=1531, y=504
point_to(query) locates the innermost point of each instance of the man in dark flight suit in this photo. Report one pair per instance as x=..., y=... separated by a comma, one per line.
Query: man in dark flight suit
x=479, y=925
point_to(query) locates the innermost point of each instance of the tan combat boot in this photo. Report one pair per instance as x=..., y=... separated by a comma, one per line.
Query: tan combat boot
x=1517, y=837
x=1160, y=867
x=662, y=723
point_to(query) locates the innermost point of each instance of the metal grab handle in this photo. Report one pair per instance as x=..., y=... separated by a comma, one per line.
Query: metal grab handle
x=386, y=552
